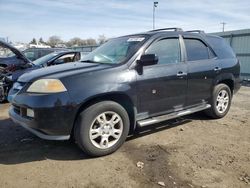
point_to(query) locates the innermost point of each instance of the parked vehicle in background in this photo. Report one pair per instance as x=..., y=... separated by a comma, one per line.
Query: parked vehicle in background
x=35, y=53
x=39, y=45
x=17, y=64
x=12, y=59
x=128, y=82
x=57, y=58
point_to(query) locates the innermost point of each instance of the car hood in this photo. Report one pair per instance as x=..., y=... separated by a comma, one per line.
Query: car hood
x=18, y=53
x=64, y=70
x=16, y=74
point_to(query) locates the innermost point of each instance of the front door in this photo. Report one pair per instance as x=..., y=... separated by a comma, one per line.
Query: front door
x=162, y=87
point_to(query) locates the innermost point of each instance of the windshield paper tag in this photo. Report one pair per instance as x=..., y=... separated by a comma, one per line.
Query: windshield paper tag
x=136, y=39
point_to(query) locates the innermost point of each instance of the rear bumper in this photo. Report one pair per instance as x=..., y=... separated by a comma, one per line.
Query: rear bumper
x=237, y=85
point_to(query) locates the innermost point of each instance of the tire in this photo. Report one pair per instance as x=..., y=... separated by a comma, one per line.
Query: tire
x=220, y=108
x=91, y=122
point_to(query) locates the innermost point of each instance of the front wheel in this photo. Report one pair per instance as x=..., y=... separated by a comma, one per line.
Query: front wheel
x=101, y=128
x=220, y=102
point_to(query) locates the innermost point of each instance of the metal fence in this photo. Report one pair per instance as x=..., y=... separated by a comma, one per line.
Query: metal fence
x=86, y=49
x=240, y=42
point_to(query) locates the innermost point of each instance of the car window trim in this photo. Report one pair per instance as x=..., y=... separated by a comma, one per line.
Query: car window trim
x=204, y=42
x=61, y=56
x=163, y=38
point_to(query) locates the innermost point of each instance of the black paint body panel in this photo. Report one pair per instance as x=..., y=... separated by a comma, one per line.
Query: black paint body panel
x=157, y=90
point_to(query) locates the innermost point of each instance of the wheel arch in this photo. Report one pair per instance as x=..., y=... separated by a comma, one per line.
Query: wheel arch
x=227, y=79
x=229, y=83
x=121, y=98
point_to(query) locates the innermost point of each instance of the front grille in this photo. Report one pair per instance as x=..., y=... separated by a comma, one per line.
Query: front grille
x=17, y=109
x=21, y=111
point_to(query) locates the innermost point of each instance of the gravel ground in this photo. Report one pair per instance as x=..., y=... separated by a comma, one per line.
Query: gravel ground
x=192, y=151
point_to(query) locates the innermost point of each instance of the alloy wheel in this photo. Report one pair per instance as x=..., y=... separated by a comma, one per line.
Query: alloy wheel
x=106, y=130
x=222, y=101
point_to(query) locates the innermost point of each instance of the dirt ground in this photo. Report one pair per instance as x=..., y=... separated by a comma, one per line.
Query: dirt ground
x=192, y=151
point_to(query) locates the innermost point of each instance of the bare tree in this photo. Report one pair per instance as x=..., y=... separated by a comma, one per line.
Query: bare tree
x=76, y=41
x=102, y=39
x=91, y=41
x=54, y=41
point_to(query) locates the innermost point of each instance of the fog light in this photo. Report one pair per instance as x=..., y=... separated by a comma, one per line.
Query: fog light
x=30, y=113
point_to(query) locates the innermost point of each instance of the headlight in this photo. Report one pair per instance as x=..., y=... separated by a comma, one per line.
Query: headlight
x=47, y=86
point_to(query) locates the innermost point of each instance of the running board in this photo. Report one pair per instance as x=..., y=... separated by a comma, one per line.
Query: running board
x=173, y=115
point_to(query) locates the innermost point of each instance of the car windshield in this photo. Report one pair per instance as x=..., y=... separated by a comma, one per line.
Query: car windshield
x=44, y=59
x=116, y=51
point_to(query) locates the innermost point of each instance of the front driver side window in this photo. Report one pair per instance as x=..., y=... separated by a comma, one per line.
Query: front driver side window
x=167, y=50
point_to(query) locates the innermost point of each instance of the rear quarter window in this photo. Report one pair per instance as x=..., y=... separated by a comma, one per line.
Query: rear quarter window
x=196, y=50
x=221, y=47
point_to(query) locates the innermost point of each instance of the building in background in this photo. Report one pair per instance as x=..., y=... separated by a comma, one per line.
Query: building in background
x=240, y=42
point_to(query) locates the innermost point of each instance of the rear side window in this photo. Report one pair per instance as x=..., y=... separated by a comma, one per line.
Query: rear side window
x=196, y=50
x=221, y=47
x=167, y=50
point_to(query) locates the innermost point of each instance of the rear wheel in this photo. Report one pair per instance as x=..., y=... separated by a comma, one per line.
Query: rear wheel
x=101, y=128
x=220, y=102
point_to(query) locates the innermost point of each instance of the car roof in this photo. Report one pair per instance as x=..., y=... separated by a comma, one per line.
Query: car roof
x=66, y=51
x=174, y=31
x=49, y=49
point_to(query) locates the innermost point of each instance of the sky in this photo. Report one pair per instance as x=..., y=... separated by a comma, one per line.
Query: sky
x=22, y=20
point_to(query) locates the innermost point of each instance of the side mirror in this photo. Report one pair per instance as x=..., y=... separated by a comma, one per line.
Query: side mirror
x=148, y=59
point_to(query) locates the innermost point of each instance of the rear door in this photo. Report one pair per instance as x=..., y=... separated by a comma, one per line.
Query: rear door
x=162, y=87
x=202, y=69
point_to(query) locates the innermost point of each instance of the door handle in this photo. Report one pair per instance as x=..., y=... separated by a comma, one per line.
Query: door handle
x=180, y=74
x=217, y=69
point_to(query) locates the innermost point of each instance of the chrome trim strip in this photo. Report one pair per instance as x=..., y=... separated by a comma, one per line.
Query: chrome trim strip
x=173, y=115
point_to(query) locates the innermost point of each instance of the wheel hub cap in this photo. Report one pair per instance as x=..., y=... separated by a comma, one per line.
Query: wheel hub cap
x=222, y=101
x=106, y=130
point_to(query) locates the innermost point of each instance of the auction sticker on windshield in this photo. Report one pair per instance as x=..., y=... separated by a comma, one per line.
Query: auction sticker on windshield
x=136, y=39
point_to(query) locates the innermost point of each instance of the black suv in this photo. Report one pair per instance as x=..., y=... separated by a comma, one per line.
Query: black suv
x=128, y=82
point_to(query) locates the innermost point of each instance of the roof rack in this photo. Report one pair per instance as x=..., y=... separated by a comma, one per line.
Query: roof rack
x=196, y=31
x=166, y=29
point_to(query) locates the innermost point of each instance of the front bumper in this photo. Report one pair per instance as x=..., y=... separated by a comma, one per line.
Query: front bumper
x=54, y=114
x=28, y=124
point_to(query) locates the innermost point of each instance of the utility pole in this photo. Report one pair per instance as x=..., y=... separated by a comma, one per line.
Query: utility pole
x=155, y=4
x=223, y=26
